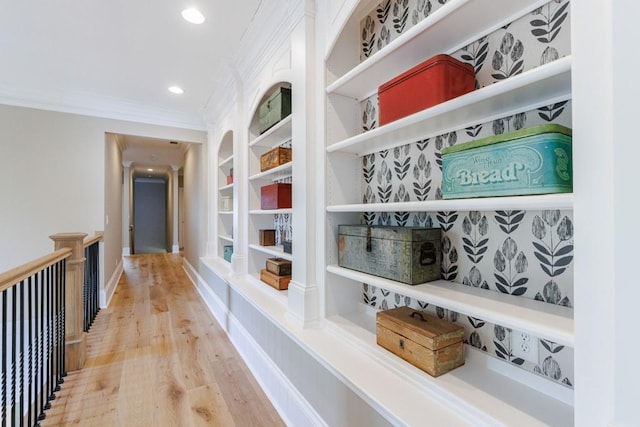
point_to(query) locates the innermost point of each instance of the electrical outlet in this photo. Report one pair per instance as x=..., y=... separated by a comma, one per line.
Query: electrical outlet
x=524, y=346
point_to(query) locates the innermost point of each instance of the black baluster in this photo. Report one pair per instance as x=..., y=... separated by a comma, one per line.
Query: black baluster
x=97, y=280
x=21, y=358
x=41, y=389
x=50, y=380
x=3, y=378
x=30, y=394
x=64, y=318
x=54, y=329
x=91, y=283
x=96, y=285
x=14, y=355
x=85, y=290
x=59, y=342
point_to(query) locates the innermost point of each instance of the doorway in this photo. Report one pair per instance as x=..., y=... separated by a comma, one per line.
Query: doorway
x=150, y=215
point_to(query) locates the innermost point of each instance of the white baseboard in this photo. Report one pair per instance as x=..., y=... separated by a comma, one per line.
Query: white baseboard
x=126, y=251
x=292, y=406
x=107, y=293
x=175, y=249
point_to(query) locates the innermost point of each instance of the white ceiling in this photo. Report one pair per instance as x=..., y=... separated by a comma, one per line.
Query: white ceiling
x=116, y=58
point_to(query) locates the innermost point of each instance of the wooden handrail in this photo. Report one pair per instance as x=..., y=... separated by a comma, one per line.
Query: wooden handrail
x=16, y=275
x=98, y=237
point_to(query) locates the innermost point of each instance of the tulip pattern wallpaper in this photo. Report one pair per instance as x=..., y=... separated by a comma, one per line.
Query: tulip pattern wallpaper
x=282, y=222
x=528, y=254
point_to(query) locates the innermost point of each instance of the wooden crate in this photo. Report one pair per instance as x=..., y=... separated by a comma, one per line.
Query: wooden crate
x=409, y=255
x=275, y=196
x=279, y=282
x=275, y=157
x=427, y=342
x=279, y=266
x=267, y=237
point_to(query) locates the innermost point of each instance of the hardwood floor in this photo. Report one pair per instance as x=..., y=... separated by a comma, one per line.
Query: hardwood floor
x=157, y=357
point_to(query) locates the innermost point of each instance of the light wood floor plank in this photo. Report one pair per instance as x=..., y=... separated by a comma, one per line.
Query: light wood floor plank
x=156, y=357
x=208, y=407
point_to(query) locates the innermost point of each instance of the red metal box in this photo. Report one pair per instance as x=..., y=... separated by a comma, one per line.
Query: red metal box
x=436, y=80
x=275, y=196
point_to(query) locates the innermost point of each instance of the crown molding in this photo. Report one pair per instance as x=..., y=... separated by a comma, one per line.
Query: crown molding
x=275, y=19
x=225, y=95
x=97, y=106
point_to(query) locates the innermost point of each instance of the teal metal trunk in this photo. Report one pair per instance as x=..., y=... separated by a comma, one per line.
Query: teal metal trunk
x=228, y=251
x=409, y=255
x=274, y=109
x=536, y=160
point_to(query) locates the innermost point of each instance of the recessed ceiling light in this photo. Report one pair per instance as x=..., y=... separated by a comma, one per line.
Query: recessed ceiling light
x=149, y=170
x=176, y=89
x=193, y=15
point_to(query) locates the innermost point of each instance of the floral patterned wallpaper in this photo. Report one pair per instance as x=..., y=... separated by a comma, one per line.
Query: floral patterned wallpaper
x=282, y=222
x=528, y=254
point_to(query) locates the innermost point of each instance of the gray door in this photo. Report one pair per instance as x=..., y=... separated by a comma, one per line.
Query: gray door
x=150, y=215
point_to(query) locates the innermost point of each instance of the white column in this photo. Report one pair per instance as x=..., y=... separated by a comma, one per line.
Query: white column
x=304, y=297
x=126, y=208
x=174, y=180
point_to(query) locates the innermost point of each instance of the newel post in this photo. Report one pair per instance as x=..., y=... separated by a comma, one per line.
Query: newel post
x=75, y=339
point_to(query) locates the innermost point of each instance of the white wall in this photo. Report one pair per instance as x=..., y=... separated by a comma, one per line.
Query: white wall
x=113, y=186
x=53, y=178
x=627, y=231
x=195, y=226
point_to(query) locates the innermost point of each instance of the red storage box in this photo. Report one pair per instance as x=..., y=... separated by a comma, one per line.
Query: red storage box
x=275, y=196
x=436, y=80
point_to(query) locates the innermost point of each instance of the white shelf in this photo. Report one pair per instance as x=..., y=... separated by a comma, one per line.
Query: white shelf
x=446, y=30
x=275, y=136
x=226, y=238
x=225, y=212
x=270, y=211
x=278, y=172
x=538, y=202
x=255, y=289
x=497, y=399
x=226, y=162
x=219, y=266
x=276, y=251
x=534, y=88
x=226, y=187
x=543, y=320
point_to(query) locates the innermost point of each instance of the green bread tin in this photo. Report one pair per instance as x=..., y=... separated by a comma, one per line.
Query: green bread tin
x=534, y=160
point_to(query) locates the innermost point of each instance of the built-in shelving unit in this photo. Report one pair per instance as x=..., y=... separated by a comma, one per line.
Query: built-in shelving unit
x=350, y=81
x=259, y=219
x=225, y=194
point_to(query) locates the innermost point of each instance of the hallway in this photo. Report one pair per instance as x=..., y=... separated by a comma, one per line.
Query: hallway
x=157, y=357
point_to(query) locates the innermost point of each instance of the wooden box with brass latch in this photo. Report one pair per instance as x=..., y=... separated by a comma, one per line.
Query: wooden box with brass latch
x=409, y=255
x=274, y=158
x=426, y=341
